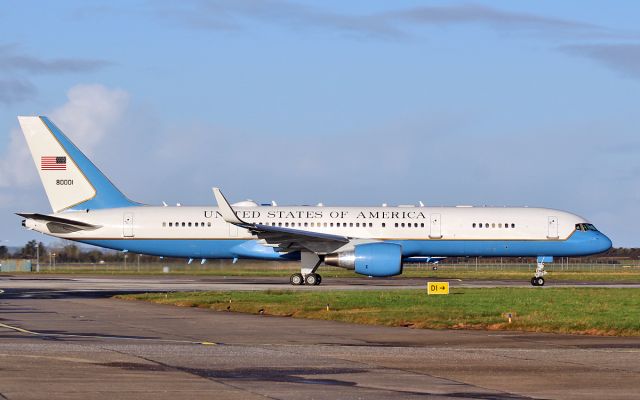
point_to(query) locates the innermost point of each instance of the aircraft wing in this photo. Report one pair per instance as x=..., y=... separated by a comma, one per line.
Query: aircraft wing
x=283, y=239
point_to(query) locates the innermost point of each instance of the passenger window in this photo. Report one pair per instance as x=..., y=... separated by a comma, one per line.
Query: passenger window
x=164, y=224
x=183, y=224
x=208, y=223
x=370, y=224
x=422, y=225
x=513, y=225
x=332, y=224
x=493, y=225
x=474, y=225
x=396, y=224
x=357, y=224
x=500, y=225
x=195, y=224
x=351, y=224
x=486, y=225
x=325, y=224
x=384, y=225
x=480, y=226
x=402, y=225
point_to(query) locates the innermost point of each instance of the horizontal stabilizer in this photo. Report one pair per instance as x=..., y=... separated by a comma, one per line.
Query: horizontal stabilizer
x=65, y=221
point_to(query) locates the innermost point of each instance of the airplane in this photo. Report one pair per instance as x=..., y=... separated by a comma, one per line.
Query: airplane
x=372, y=241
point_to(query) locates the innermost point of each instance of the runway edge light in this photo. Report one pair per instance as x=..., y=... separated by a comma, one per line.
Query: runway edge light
x=437, y=288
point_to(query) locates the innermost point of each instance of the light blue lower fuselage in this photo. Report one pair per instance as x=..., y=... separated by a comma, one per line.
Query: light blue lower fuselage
x=580, y=243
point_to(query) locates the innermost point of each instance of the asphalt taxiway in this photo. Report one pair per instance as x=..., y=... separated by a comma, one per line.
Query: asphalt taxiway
x=64, y=338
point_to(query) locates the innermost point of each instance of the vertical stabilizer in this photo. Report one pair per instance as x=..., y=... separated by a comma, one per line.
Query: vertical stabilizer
x=70, y=179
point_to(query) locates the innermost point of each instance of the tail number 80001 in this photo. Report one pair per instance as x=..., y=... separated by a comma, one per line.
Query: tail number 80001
x=64, y=182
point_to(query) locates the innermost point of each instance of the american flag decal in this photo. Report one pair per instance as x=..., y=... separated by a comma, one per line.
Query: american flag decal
x=53, y=163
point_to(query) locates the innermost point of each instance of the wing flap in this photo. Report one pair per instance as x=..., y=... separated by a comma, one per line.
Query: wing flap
x=283, y=239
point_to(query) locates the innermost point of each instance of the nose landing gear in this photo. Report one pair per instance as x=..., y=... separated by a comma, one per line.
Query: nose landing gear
x=538, y=279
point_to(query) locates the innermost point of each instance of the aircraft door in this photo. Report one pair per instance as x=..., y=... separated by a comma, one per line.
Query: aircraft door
x=435, y=226
x=127, y=225
x=553, y=227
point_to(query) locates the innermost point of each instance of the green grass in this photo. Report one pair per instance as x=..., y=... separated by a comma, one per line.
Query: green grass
x=592, y=311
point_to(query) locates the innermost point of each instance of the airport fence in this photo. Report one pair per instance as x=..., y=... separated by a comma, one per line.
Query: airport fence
x=565, y=264
x=15, y=265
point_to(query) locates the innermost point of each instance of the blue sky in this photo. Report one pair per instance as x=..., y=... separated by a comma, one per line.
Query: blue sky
x=486, y=103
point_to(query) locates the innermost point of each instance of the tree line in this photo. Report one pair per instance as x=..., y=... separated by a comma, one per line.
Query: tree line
x=65, y=253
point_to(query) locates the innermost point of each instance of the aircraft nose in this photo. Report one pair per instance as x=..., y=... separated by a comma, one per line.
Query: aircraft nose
x=603, y=243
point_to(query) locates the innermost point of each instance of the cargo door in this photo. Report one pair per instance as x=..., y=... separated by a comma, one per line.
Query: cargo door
x=436, y=230
x=127, y=225
x=553, y=227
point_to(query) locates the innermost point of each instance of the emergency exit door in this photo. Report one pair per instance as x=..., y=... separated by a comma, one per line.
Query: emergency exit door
x=553, y=228
x=127, y=225
x=436, y=229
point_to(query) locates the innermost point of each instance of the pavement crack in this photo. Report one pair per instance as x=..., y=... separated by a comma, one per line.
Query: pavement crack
x=190, y=371
x=497, y=394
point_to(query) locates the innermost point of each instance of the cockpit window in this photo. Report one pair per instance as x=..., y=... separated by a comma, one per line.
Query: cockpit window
x=586, y=227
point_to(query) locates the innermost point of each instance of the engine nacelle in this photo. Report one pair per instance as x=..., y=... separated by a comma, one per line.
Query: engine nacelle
x=373, y=259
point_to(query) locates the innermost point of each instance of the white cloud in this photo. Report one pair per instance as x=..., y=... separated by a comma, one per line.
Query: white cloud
x=89, y=113
x=16, y=167
x=92, y=110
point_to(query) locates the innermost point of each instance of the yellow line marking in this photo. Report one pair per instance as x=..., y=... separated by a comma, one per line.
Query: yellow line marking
x=208, y=343
x=15, y=328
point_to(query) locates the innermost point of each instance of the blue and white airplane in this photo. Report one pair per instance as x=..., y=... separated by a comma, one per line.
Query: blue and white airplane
x=373, y=241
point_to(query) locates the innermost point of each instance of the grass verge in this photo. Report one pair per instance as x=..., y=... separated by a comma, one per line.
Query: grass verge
x=591, y=311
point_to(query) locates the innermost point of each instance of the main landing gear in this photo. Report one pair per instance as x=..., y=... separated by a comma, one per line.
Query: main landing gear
x=312, y=279
x=309, y=263
x=538, y=279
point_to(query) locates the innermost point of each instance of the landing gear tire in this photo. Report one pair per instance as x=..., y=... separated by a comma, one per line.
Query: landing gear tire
x=296, y=279
x=312, y=279
x=319, y=279
x=539, y=281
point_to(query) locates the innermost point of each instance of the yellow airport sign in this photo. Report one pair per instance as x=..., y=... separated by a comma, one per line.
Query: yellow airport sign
x=437, y=287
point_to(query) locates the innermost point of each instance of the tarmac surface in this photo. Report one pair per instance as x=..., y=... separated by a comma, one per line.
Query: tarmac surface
x=64, y=338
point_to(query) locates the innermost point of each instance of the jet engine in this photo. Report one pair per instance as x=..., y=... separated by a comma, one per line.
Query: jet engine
x=373, y=259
